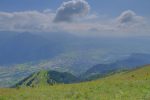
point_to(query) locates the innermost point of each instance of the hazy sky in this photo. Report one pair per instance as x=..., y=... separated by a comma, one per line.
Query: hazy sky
x=111, y=7
x=88, y=17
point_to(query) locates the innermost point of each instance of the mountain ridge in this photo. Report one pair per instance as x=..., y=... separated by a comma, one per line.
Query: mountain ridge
x=47, y=77
x=133, y=61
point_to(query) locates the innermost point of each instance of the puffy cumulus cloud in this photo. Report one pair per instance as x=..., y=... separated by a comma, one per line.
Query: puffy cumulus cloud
x=26, y=21
x=129, y=17
x=129, y=23
x=71, y=10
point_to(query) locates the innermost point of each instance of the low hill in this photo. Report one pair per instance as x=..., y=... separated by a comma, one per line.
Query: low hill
x=47, y=78
x=132, y=85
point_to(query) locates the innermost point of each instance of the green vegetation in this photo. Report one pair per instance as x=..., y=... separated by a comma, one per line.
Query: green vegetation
x=44, y=77
x=132, y=85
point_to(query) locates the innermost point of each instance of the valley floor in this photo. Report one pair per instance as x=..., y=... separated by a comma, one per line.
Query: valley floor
x=133, y=85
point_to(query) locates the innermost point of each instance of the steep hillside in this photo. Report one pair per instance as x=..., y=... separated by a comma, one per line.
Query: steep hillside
x=47, y=78
x=132, y=85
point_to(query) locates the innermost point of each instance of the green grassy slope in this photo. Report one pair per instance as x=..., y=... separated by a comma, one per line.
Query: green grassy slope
x=133, y=85
x=39, y=78
x=43, y=78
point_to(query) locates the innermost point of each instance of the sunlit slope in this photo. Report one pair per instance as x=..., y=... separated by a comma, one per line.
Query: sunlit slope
x=132, y=85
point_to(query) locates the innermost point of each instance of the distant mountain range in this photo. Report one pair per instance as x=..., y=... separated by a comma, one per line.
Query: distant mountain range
x=24, y=53
x=133, y=61
x=23, y=47
x=26, y=47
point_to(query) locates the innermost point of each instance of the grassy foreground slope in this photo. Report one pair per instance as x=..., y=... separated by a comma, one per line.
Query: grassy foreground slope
x=133, y=85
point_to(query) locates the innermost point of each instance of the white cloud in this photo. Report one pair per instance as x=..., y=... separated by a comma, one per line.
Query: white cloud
x=71, y=10
x=126, y=24
x=129, y=17
x=25, y=21
x=129, y=23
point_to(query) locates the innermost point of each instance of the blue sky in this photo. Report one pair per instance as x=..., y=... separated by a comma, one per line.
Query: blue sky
x=111, y=7
x=105, y=17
